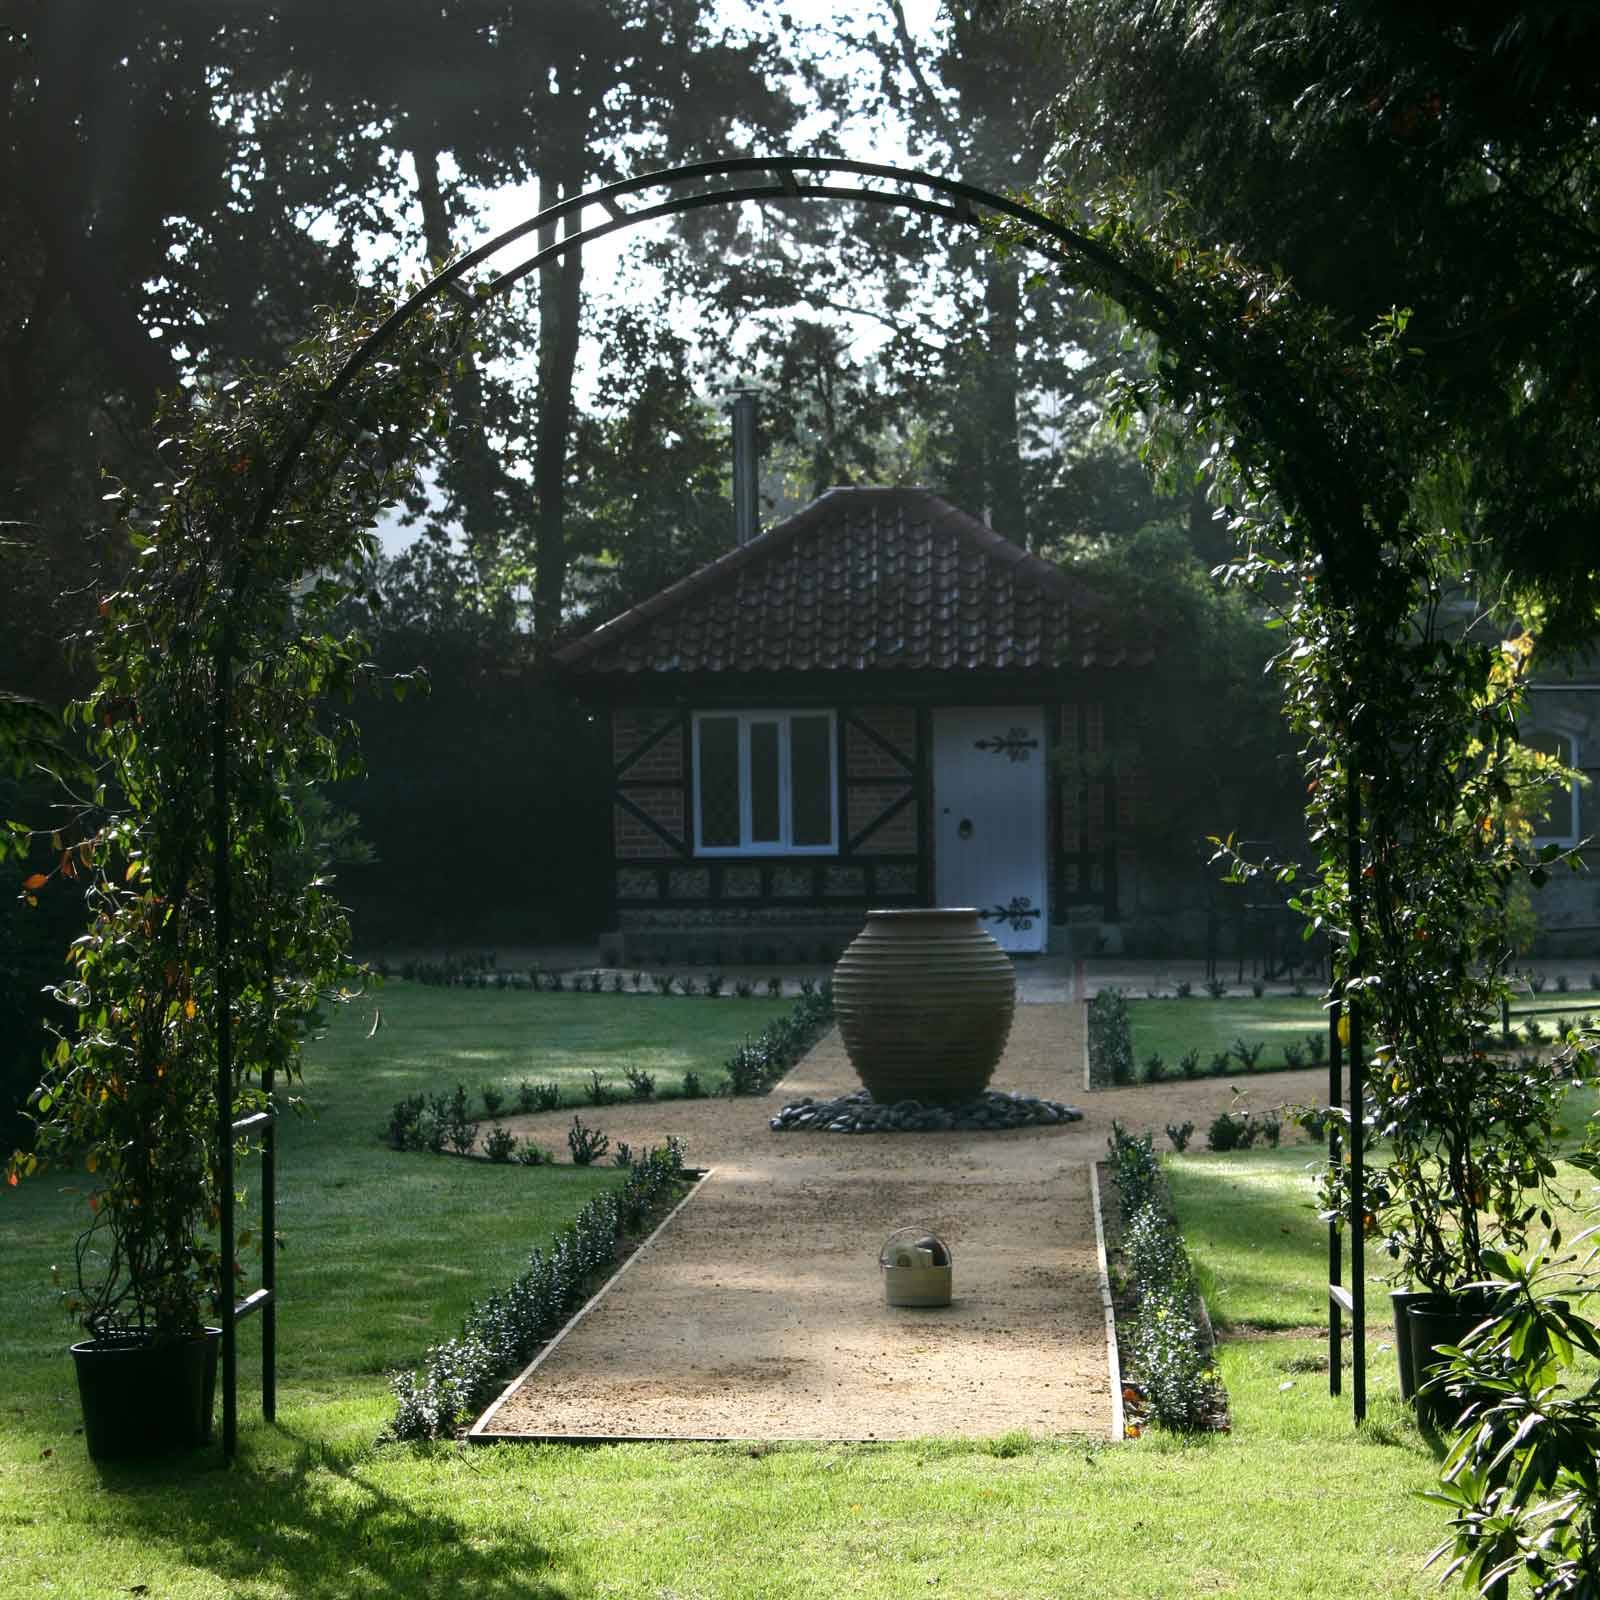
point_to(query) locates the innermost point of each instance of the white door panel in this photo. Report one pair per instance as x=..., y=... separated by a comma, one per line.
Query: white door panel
x=989, y=818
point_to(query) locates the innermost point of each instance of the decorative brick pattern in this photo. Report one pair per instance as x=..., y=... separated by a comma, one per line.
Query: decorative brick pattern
x=896, y=878
x=866, y=758
x=850, y=881
x=791, y=883
x=637, y=883
x=689, y=883
x=741, y=883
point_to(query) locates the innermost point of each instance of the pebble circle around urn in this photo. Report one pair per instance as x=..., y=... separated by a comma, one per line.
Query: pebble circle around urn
x=924, y=1001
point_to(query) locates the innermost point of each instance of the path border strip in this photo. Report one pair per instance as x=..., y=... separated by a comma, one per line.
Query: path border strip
x=477, y=1433
x=1119, y=1421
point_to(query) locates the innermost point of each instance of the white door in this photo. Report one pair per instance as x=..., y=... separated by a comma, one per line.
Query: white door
x=989, y=818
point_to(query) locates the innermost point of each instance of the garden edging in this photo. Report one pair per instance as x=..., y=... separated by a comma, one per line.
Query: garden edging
x=1119, y=1420
x=479, y=1433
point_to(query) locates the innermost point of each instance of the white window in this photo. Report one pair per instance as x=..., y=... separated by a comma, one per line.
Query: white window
x=764, y=783
x=1555, y=815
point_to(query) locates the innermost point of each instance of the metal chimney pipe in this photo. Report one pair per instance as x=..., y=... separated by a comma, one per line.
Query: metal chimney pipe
x=746, y=524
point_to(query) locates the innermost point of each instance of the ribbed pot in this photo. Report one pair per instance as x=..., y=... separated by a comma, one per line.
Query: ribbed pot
x=924, y=1002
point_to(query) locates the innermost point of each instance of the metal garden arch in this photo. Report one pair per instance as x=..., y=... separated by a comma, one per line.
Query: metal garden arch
x=626, y=203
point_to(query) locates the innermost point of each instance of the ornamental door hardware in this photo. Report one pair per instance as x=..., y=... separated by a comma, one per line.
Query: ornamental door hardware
x=1015, y=744
x=1018, y=914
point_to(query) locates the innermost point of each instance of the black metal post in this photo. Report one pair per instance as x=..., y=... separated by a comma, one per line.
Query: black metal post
x=1335, y=1245
x=1358, y=1197
x=222, y=843
x=269, y=1255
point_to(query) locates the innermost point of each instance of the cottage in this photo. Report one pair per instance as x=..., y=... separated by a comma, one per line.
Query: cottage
x=878, y=702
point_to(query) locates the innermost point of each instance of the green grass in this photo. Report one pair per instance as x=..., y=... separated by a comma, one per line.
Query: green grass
x=1253, y=1234
x=384, y=1252
x=436, y=1038
x=1169, y=1028
x=1261, y=1253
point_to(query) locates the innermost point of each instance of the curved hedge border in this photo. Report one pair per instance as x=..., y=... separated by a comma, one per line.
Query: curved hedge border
x=502, y=1333
x=1169, y=1342
x=758, y=1063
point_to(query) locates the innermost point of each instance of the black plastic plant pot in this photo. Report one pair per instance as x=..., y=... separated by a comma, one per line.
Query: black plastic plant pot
x=1441, y=1319
x=1402, y=1301
x=142, y=1398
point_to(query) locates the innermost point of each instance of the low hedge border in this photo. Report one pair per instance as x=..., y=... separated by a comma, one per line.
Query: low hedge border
x=760, y=1062
x=1167, y=1339
x=502, y=1333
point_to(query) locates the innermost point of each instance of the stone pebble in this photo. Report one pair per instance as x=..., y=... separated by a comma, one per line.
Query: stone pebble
x=994, y=1111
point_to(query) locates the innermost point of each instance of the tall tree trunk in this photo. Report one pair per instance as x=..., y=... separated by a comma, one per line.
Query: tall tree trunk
x=475, y=468
x=1002, y=451
x=560, y=291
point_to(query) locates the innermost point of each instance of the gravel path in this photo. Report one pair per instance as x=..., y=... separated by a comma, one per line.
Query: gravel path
x=759, y=1312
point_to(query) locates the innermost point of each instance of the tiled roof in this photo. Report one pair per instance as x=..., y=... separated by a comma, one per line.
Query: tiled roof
x=860, y=580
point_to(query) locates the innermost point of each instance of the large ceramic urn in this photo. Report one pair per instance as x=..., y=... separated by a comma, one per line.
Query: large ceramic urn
x=924, y=1002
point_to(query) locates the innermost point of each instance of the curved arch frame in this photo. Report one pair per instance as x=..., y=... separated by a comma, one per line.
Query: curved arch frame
x=626, y=202
x=695, y=188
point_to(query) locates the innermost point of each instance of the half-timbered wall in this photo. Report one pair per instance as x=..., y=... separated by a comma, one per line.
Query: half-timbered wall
x=882, y=760
x=660, y=886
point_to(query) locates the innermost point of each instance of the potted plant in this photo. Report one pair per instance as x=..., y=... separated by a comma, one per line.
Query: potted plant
x=1419, y=797
x=211, y=932
x=1469, y=1161
x=129, y=1100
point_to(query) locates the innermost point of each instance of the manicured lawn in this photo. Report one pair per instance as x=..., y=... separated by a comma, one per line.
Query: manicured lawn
x=1253, y=1234
x=1169, y=1028
x=383, y=1253
x=1252, y=1229
x=436, y=1038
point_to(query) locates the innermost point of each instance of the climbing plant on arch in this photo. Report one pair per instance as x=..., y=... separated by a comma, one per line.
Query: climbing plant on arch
x=220, y=671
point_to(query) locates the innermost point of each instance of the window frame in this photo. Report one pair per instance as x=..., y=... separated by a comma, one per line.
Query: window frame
x=1574, y=815
x=783, y=846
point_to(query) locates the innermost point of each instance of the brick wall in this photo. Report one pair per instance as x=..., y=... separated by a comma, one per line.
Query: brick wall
x=867, y=801
x=630, y=729
x=865, y=758
x=634, y=840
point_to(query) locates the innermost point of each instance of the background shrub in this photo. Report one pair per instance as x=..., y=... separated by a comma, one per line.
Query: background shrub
x=1110, y=1038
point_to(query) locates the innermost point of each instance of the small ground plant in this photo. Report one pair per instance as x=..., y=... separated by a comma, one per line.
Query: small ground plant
x=499, y=1143
x=460, y=1129
x=586, y=1144
x=1110, y=1038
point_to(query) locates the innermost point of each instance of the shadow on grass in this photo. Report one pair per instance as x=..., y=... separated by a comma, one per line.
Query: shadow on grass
x=1252, y=1229
x=315, y=1524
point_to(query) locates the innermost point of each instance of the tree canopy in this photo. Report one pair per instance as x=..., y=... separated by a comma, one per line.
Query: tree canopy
x=1437, y=159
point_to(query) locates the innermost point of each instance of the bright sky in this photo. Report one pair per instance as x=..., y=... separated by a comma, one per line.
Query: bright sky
x=497, y=210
